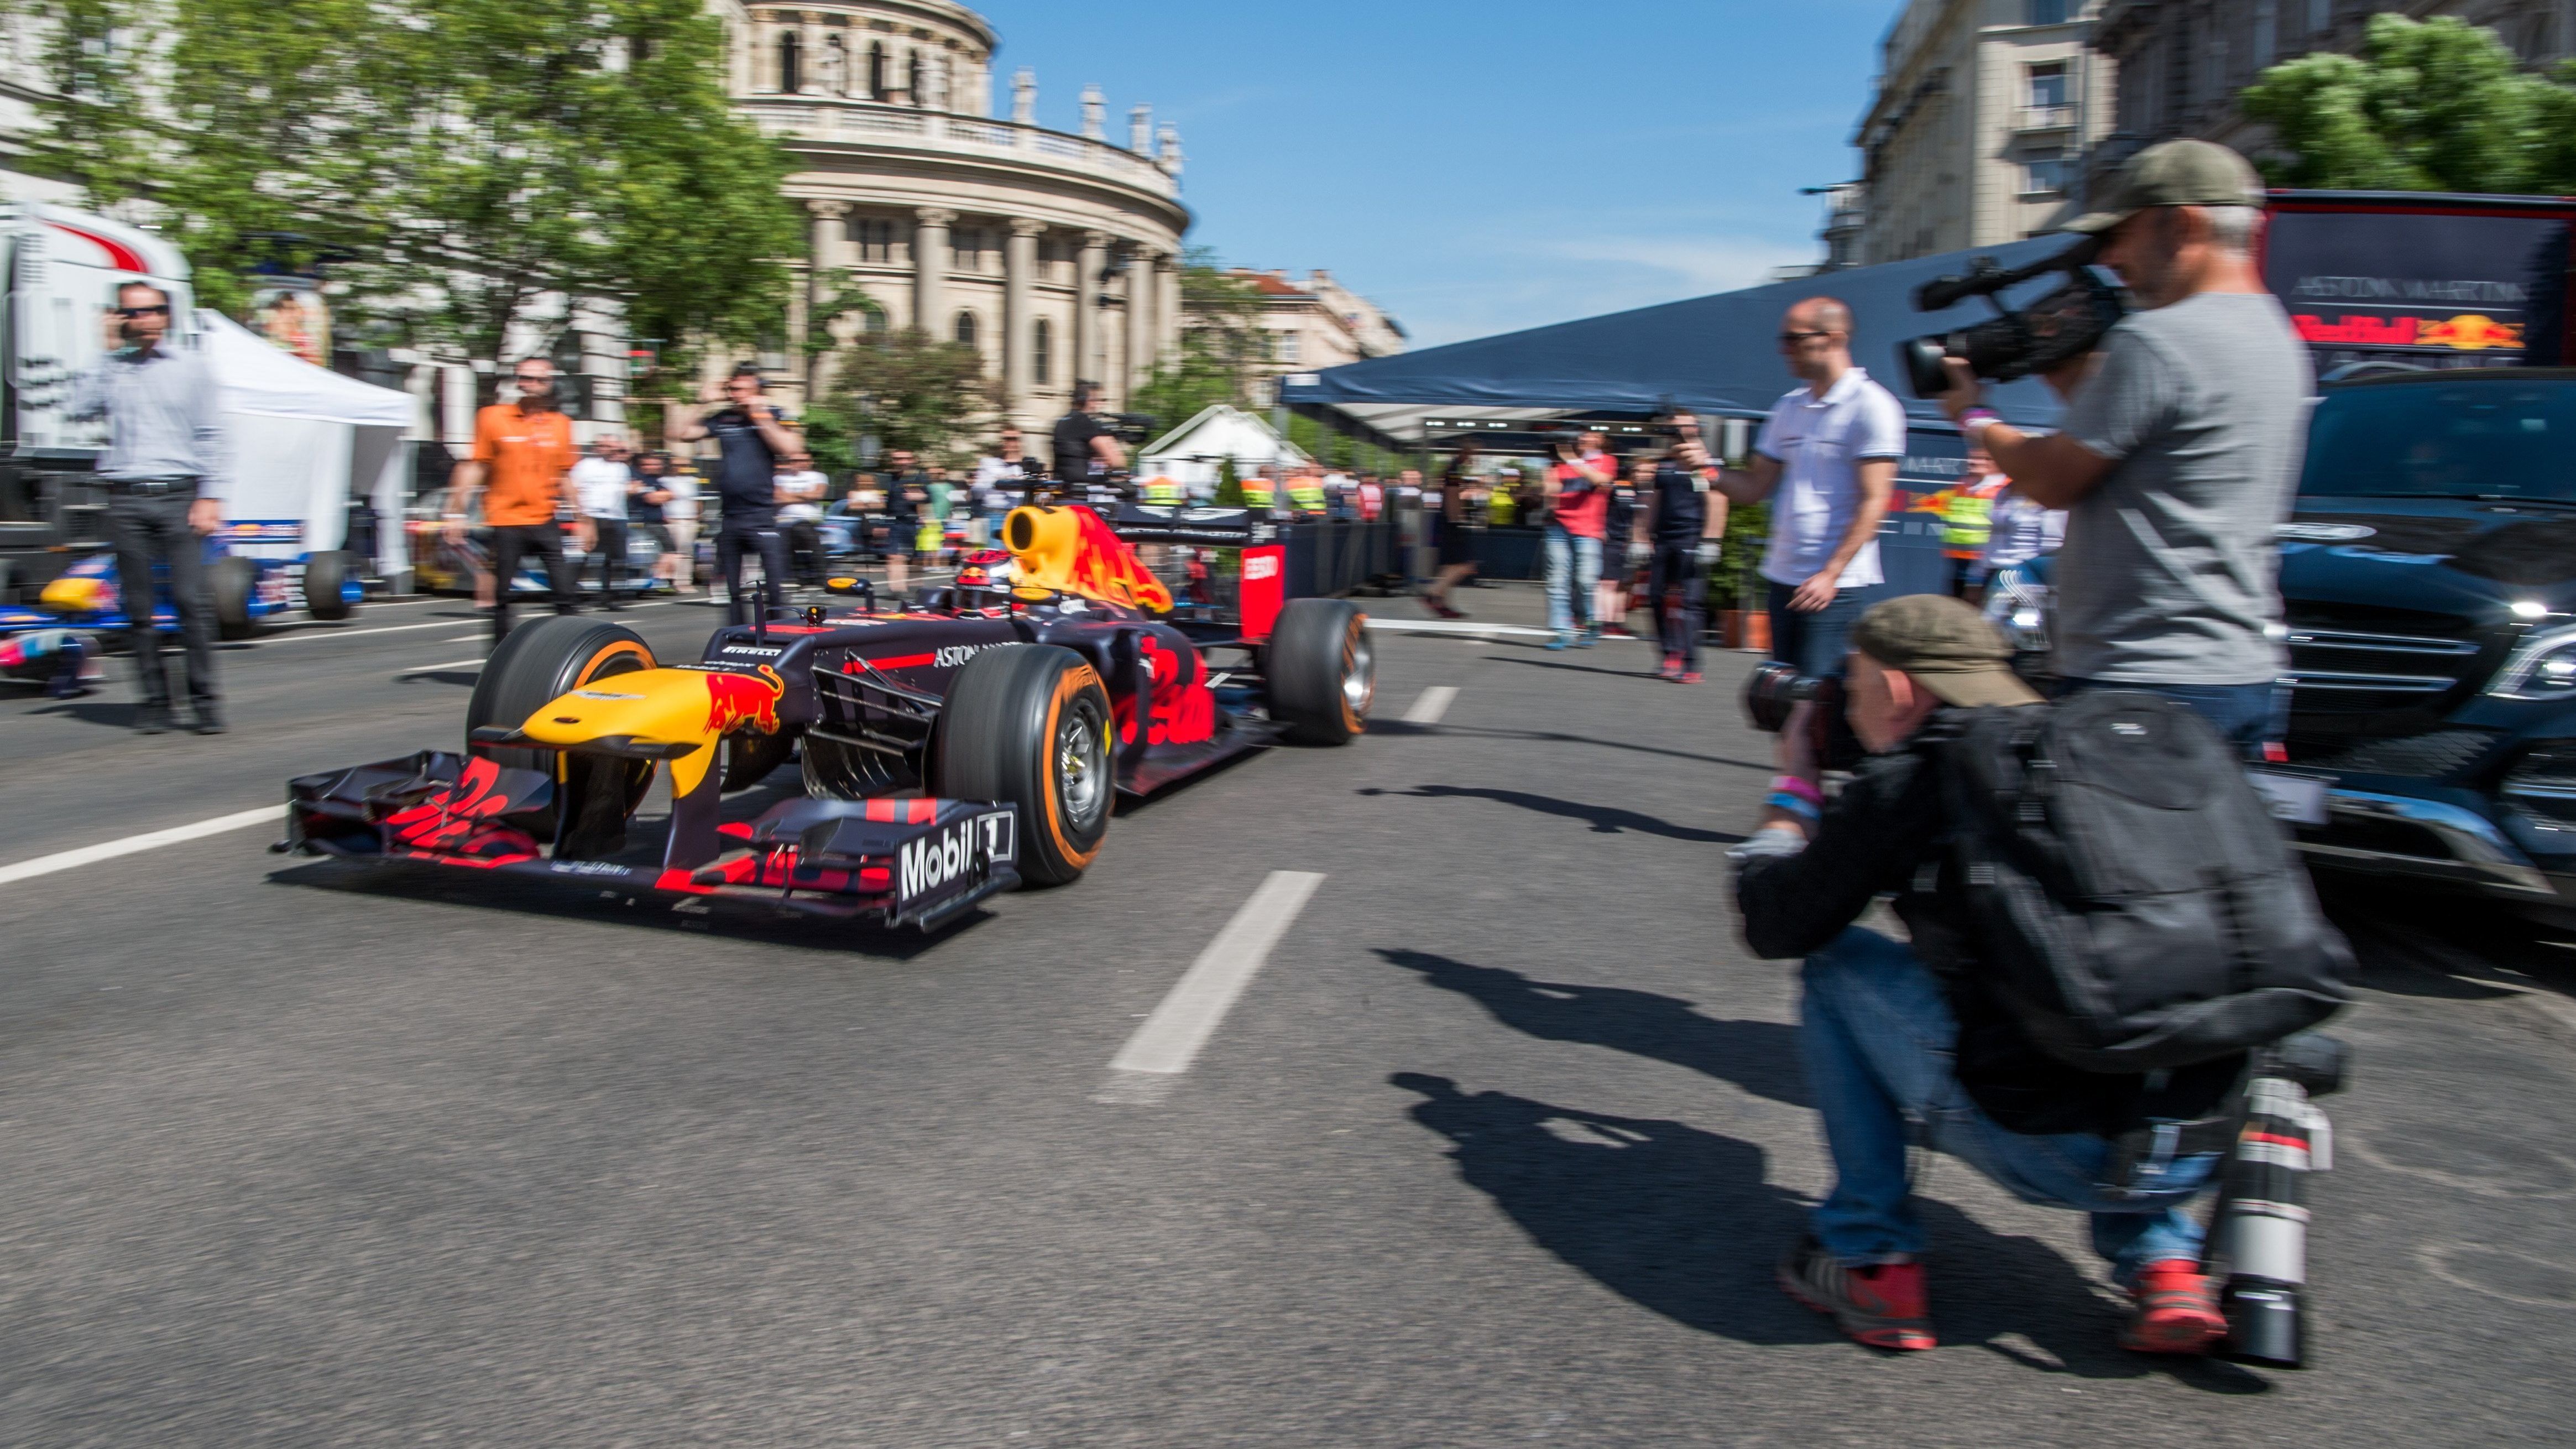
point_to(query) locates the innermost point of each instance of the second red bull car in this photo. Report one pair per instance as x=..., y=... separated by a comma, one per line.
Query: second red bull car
x=971, y=739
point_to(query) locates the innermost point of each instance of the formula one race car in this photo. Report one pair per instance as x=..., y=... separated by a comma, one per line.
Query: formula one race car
x=245, y=590
x=972, y=739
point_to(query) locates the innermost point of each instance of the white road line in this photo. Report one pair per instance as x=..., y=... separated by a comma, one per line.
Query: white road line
x=1170, y=1039
x=132, y=844
x=315, y=633
x=478, y=663
x=1433, y=704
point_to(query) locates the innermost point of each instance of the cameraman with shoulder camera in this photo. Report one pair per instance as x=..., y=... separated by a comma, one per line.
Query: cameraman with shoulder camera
x=2007, y=1032
x=1086, y=448
x=2179, y=454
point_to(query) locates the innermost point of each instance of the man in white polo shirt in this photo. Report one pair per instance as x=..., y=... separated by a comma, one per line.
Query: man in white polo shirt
x=1827, y=457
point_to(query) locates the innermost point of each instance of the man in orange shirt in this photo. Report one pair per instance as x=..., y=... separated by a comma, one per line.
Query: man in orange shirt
x=522, y=461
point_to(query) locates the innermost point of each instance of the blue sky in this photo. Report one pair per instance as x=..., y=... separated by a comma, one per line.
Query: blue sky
x=1480, y=167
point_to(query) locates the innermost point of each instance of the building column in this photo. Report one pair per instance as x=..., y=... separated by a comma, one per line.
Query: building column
x=930, y=269
x=820, y=257
x=1167, y=305
x=1086, y=315
x=1143, y=292
x=1019, y=268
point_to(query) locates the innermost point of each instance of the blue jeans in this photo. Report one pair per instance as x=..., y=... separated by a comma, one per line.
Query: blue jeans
x=1878, y=1038
x=1573, y=567
x=1817, y=642
x=2248, y=716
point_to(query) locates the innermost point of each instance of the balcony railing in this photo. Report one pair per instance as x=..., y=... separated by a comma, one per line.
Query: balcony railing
x=860, y=122
x=2045, y=118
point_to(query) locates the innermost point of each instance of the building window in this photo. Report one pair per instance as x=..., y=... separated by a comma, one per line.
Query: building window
x=876, y=70
x=872, y=240
x=2044, y=173
x=965, y=328
x=2320, y=18
x=1283, y=347
x=966, y=249
x=912, y=80
x=877, y=324
x=790, y=69
x=2047, y=86
x=1041, y=351
x=2047, y=12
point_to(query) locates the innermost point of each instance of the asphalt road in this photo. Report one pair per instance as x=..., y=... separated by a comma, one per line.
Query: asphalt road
x=1498, y=1147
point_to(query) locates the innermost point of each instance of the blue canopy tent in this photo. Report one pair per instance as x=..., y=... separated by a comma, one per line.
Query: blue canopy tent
x=1717, y=356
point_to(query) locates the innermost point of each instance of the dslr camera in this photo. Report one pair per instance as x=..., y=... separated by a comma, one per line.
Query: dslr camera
x=2065, y=324
x=1776, y=688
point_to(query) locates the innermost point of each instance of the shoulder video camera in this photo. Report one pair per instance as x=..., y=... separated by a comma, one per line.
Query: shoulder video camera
x=2063, y=325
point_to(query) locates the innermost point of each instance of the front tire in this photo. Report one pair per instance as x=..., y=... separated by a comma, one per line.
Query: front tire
x=1029, y=725
x=232, y=580
x=1322, y=670
x=541, y=661
x=325, y=575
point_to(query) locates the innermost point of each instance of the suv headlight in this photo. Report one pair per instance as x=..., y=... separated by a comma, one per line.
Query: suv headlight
x=2541, y=667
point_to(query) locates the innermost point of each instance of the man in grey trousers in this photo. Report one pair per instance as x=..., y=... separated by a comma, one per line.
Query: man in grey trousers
x=166, y=481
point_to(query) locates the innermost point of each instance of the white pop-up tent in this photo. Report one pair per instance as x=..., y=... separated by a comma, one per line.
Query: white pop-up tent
x=1190, y=453
x=304, y=440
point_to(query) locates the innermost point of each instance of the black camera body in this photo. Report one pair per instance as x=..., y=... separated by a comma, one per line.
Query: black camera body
x=1133, y=429
x=2065, y=324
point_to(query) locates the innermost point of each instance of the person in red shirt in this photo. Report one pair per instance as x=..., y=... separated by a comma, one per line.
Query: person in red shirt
x=1578, y=496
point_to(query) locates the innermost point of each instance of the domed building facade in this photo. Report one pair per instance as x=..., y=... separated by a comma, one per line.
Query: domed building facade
x=1056, y=253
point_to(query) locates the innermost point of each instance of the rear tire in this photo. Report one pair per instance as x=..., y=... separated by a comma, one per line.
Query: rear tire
x=325, y=575
x=232, y=580
x=541, y=660
x=1029, y=725
x=1322, y=671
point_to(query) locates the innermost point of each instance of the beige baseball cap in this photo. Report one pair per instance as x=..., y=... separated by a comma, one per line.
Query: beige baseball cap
x=2174, y=173
x=1944, y=645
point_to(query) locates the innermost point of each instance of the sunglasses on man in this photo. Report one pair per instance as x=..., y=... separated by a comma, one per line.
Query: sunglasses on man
x=161, y=311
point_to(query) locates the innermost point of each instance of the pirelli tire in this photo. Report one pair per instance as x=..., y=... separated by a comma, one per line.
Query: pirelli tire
x=1322, y=671
x=233, y=581
x=540, y=661
x=325, y=576
x=1029, y=725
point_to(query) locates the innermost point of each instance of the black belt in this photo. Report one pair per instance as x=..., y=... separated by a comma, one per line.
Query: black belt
x=152, y=487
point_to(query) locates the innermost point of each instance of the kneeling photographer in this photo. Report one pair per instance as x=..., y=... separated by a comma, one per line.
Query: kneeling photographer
x=2080, y=1048
x=2179, y=454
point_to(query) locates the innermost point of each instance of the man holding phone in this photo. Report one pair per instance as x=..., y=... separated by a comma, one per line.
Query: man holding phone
x=166, y=480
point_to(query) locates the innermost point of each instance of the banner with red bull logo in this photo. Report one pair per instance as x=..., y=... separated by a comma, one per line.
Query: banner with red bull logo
x=2430, y=281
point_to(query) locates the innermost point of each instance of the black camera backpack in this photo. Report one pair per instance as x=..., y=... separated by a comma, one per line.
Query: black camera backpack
x=2125, y=893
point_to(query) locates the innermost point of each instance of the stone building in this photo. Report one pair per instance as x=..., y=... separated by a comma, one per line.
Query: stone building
x=1982, y=114
x=2181, y=63
x=1056, y=253
x=1315, y=324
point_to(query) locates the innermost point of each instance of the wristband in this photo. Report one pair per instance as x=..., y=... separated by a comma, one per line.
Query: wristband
x=1798, y=786
x=1975, y=421
x=1806, y=810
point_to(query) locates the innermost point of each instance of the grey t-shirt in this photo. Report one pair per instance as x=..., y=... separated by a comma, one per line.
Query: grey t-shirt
x=2169, y=574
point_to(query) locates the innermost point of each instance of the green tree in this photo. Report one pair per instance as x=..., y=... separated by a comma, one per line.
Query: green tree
x=1221, y=342
x=916, y=390
x=466, y=165
x=2435, y=105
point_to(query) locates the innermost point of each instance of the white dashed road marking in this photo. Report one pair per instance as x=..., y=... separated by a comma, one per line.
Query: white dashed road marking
x=1433, y=704
x=134, y=844
x=1170, y=1039
x=477, y=662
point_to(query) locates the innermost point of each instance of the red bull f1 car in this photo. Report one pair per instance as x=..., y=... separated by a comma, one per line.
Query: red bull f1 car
x=973, y=738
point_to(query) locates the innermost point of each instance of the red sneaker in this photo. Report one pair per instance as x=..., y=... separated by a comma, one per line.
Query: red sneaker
x=2177, y=1310
x=1672, y=667
x=1881, y=1306
x=1691, y=676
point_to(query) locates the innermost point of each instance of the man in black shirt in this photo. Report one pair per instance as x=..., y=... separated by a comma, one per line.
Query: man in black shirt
x=751, y=438
x=1085, y=448
x=1907, y=1045
x=907, y=486
x=1684, y=522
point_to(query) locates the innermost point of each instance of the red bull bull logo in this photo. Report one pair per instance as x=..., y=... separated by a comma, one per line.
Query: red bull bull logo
x=735, y=700
x=2469, y=332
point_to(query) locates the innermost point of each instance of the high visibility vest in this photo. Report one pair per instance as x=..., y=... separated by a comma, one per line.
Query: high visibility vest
x=1970, y=518
x=1257, y=492
x=1162, y=490
x=1309, y=497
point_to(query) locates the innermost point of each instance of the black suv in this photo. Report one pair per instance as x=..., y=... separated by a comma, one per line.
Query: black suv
x=2429, y=574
